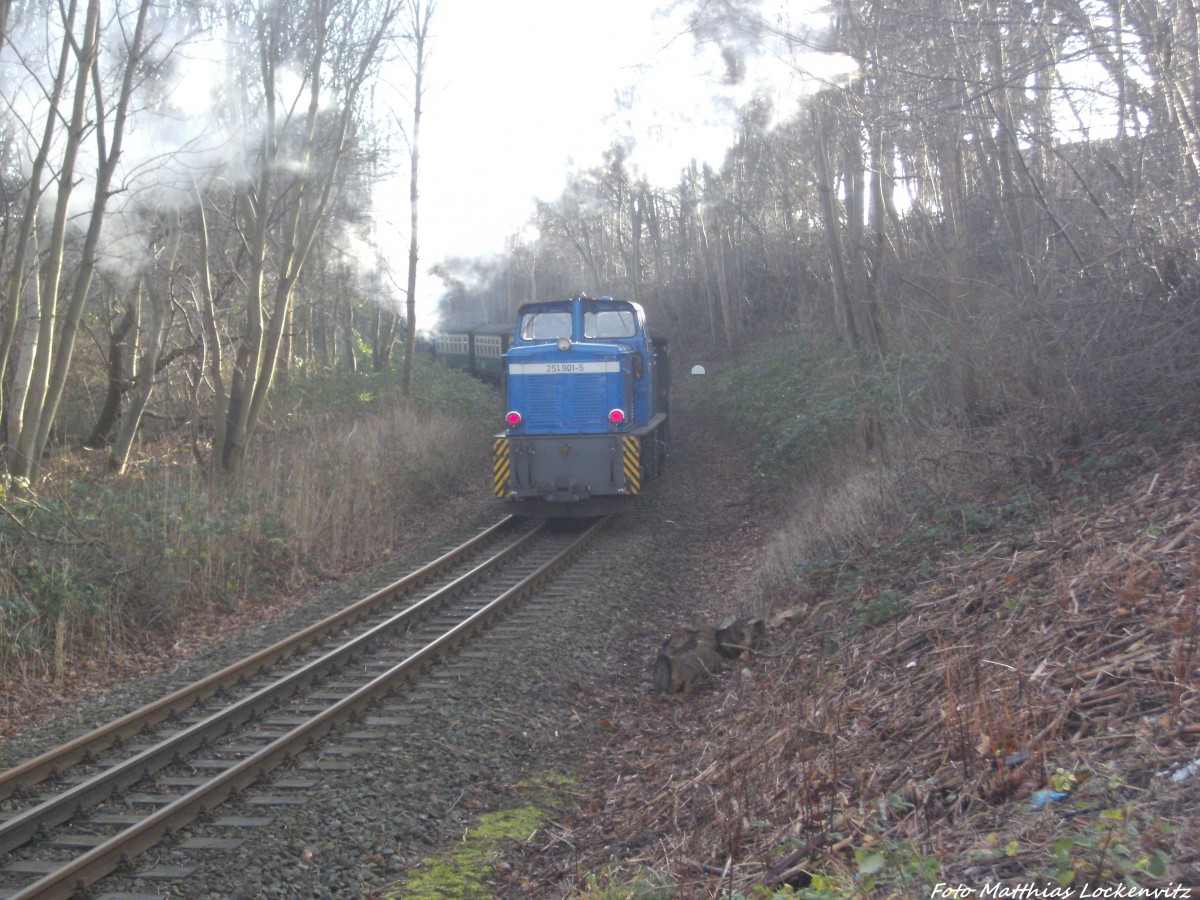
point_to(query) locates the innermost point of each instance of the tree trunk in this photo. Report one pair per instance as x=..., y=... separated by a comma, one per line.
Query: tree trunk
x=422, y=13
x=36, y=416
x=962, y=362
x=110, y=410
x=213, y=358
x=15, y=283
x=32, y=443
x=386, y=325
x=345, y=333
x=29, y=313
x=152, y=327
x=826, y=188
x=877, y=247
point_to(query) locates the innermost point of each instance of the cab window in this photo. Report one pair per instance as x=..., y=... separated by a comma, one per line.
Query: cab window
x=609, y=323
x=545, y=326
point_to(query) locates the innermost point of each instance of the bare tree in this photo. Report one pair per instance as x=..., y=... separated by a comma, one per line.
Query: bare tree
x=416, y=38
x=842, y=288
x=152, y=311
x=46, y=354
x=289, y=214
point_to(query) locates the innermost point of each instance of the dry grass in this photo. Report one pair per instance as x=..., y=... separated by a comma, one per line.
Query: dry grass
x=857, y=499
x=100, y=566
x=349, y=499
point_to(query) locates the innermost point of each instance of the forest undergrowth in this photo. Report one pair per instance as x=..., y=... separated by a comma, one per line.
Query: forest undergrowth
x=982, y=667
x=109, y=576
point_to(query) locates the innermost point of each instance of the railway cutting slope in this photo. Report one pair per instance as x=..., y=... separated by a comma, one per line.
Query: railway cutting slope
x=999, y=692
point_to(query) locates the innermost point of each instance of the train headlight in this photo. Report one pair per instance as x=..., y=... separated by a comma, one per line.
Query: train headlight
x=563, y=344
x=513, y=419
x=617, y=416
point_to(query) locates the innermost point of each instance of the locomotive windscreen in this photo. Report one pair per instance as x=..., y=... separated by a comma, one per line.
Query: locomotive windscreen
x=610, y=323
x=545, y=325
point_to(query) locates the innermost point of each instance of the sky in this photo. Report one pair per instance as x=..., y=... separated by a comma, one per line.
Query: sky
x=521, y=93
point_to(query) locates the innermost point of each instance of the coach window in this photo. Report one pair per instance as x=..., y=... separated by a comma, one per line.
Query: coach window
x=610, y=323
x=545, y=326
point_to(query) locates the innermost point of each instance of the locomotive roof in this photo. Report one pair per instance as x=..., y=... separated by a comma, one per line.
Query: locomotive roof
x=540, y=304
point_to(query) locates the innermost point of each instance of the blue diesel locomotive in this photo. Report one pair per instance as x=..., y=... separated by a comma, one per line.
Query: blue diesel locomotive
x=587, y=391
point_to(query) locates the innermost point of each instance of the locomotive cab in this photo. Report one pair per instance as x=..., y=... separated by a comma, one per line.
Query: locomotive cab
x=586, y=389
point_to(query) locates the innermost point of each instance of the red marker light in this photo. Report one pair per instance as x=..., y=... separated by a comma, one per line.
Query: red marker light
x=513, y=419
x=617, y=417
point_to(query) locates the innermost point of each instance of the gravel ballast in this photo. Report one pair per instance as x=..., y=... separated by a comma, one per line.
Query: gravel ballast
x=515, y=708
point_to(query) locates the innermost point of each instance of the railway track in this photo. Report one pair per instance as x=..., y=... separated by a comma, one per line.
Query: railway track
x=75, y=814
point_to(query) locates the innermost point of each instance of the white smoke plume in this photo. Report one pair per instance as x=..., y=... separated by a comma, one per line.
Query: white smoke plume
x=359, y=257
x=766, y=52
x=195, y=117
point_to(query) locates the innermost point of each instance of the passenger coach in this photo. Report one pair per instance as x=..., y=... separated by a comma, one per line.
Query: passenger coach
x=587, y=389
x=478, y=349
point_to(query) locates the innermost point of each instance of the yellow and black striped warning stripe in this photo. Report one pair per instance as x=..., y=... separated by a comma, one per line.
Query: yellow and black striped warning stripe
x=500, y=466
x=632, y=463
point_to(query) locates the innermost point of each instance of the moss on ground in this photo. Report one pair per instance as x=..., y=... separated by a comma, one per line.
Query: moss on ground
x=462, y=873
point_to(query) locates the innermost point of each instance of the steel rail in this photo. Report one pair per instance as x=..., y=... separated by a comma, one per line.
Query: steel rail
x=21, y=828
x=106, y=857
x=54, y=761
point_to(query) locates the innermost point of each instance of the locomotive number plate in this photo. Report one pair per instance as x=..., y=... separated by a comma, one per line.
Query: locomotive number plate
x=563, y=368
